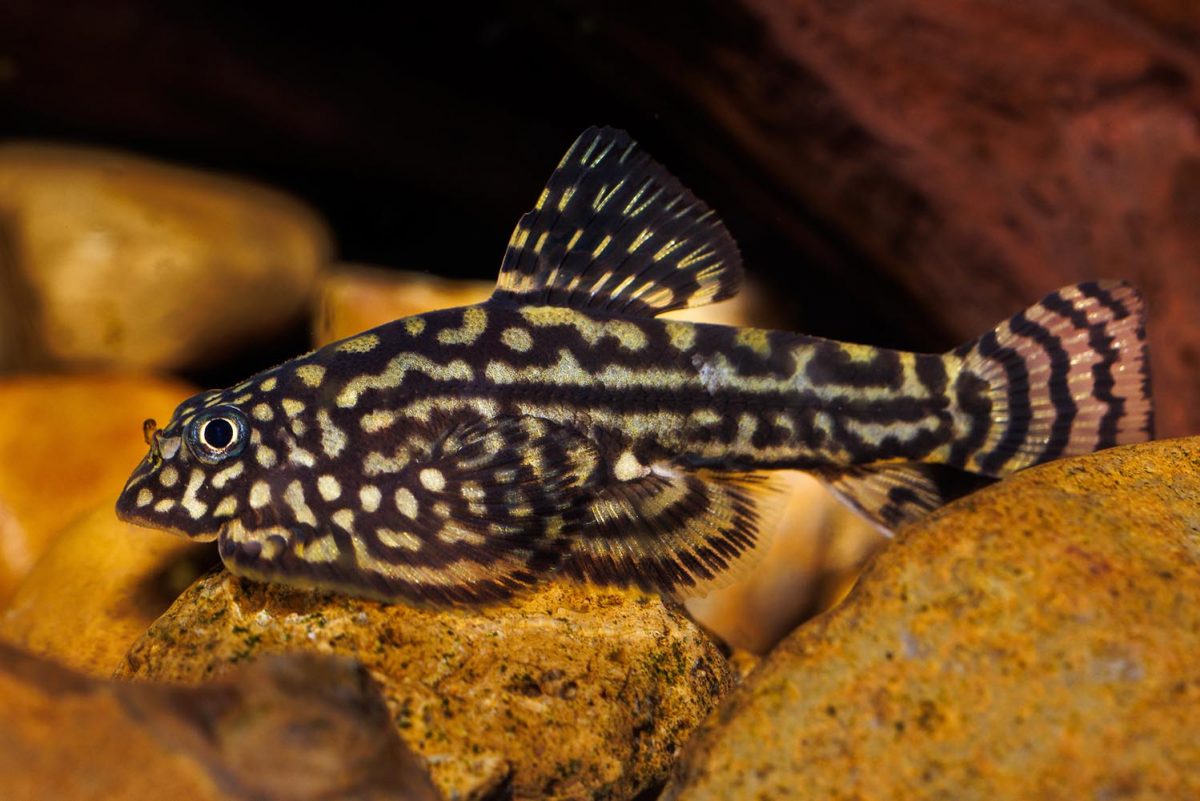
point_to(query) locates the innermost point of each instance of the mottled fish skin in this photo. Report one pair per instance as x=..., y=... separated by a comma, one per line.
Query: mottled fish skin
x=458, y=456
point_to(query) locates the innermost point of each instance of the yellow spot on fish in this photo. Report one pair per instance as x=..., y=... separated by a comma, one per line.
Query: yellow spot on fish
x=753, y=338
x=474, y=323
x=193, y=505
x=321, y=550
x=377, y=421
x=519, y=339
x=432, y=479
x=226, y=508
x=311, y=374
x=240, y=399
x=265, y=456
x=565, y=199
x=627, y=333
x=414, y=325
x=628, y=468
x=168, y=477
x=343, y=519
x=165, y=505
x=359, y=344
x=144, y=497
x=369, y=497
x=292, y=407
x=269, y=384
x=406, y=503
x=333, y=439
x=293, y=496
x=263, y=412
x=260, y=495
x=329, y=487
x=682, y=336
x=228, y=474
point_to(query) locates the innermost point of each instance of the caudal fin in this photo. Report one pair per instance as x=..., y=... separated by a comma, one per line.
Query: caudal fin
x=1067, y=376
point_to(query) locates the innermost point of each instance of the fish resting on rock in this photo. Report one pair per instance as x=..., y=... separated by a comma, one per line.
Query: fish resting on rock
x=560, y=427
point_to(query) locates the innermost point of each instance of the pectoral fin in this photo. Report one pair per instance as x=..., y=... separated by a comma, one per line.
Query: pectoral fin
x=482, y=516
x=676, y=531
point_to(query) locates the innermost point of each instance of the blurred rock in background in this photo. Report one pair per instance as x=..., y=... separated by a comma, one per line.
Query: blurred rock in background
x=301, y=727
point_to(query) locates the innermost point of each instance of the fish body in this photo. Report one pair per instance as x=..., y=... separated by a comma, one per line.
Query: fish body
x=462, y=454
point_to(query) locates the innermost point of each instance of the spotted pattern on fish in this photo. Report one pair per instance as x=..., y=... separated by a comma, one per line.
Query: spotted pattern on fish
x=461, y=455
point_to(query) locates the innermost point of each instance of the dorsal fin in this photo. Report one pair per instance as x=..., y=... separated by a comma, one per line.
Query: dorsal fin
x=615, y=232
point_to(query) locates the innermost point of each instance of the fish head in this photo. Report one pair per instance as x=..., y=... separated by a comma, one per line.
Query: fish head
x=195, y=463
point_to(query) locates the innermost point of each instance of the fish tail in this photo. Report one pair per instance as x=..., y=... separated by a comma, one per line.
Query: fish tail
x=1067, y=376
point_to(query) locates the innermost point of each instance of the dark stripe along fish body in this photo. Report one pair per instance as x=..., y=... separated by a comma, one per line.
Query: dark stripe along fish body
x=461, y=455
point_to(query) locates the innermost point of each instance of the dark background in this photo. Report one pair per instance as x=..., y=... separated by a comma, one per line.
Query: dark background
x=420, y=135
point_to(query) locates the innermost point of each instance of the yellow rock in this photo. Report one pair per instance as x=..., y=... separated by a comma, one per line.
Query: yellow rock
x=302, y=728
x=116, y=260
x=67, y=445
x=100, y=585
x=353, y=298
x=571, y=692
x=1037, y=639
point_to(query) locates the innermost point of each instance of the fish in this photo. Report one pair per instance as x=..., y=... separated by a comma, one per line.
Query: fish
x=563, y=428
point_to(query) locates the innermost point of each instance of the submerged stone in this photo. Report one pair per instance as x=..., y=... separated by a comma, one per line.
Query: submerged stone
x=1036, y=639
x=568, y=692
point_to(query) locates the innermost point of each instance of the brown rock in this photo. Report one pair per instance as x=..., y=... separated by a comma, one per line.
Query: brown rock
x=121, y=261
x=571, y=692
x=976, y=155
x=67, y=445
x=296, y=728
x=1036, y=639
x=100, y=584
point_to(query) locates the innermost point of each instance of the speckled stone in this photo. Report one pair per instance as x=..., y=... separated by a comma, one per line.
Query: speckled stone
x=570, y=692
x=1038, y=639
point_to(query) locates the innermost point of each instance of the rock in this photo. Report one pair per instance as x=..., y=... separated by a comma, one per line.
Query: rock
x=1035, y=639
x=301, y=728
x=116, y=260
x=352, y=298
x=570, y=692
x=937, y=163
x=819, y=546
x=98, y=587
x=67, y=445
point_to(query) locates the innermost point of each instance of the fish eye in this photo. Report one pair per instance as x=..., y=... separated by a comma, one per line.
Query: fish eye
x=217, y=435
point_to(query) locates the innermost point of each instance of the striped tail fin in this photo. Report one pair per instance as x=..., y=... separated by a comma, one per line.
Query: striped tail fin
x=1070, y=375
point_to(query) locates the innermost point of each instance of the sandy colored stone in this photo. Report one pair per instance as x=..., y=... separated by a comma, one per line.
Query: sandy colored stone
x=67, y=445
x=818, y=548
x=352, y=298
x=100, y=584
x=301, y=728
x=571, y=692
x=123, y=261
x=1037, y=639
